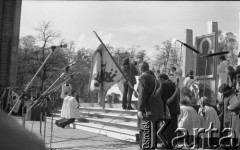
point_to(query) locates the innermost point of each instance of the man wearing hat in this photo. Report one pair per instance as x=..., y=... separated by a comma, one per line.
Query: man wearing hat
x=150, y=105
x=231, y=108
x=130, y=72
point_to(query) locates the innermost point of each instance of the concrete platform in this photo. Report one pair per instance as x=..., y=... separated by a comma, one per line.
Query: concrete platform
x=77, y=139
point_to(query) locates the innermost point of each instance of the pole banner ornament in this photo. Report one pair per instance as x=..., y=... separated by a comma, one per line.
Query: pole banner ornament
x=104, y=73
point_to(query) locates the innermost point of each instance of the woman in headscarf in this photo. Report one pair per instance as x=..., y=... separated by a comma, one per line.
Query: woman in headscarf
x=208, y=115
x=188, y=118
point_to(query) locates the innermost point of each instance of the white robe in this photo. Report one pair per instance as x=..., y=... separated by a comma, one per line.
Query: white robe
x=188, y=119
x=72, y=110
x=63, y=112
x=210, y=116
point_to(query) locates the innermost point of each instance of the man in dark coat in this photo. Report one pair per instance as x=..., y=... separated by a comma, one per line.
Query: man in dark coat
x=169, y=97
x=130, y=72
x=150, y=108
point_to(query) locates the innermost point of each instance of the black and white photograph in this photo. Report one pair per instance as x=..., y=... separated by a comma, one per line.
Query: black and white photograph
x=119, y=75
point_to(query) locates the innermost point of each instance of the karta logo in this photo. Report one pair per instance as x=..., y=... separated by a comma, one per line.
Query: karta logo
x=225, y=142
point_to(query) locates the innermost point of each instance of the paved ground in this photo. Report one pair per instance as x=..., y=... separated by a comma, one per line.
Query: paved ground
x=74, y=139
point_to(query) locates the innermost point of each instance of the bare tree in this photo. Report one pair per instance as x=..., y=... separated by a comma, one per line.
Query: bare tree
x=228, y=42
x=167, y=55
x=140, y=56
x=37, y=53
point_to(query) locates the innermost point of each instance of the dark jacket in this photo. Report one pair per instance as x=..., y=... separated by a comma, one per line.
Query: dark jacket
x=130, y=72
x=145, y=89
x=168, y=89
x=156, y=104
x=147, y=102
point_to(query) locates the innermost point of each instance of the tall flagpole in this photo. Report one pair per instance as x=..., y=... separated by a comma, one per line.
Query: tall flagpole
x=115, y=62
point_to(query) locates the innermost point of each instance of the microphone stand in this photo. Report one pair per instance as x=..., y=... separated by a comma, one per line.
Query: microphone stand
x=49, y=91
x=52, y=92
x=41, y=116
x=66, y=71
x=45, y=117
x=26, y=89
x=42, y=100
x=8, y=103
x=43, y=105
x=53, y=103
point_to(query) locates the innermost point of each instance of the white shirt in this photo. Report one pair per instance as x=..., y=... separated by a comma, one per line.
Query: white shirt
x=210, y=116
x=63, y=112
x=72, y=110
x=188, y=119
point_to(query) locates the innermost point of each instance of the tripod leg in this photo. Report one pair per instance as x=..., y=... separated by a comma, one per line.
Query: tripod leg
x=1, y=99
x=45, y=120
x=41, y=115
x=52, y=122
x=23, y=113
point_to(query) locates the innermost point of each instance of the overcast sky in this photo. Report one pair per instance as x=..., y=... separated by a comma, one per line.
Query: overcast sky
x=126, y=23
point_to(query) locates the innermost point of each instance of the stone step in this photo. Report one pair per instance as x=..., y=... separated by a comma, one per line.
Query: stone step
x=108, y=110
x=115, y=121
x=123, y=116
x=109, y=105
x=110, y=122
x=107, y=129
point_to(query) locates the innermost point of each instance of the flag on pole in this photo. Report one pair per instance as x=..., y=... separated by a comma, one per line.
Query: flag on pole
x=104, y=73
x=15, y=99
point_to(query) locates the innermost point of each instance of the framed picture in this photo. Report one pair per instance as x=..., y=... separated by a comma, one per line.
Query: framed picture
x=205, y=44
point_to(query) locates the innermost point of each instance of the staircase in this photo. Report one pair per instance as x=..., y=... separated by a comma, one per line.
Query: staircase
x=112, y=121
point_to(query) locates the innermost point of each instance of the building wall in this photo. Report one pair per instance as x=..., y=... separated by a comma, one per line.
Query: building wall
x=10, y=13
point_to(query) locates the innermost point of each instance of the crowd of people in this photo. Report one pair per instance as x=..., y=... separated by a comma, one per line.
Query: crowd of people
x=160, y=98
